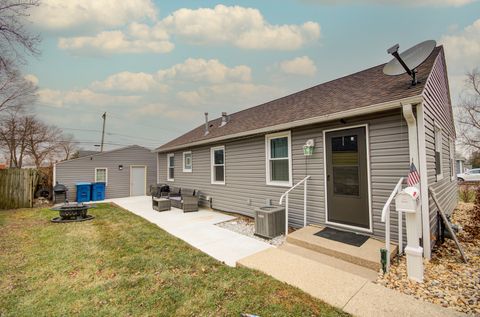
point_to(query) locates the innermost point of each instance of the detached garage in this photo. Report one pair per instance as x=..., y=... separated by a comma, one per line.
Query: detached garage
x=127, y=171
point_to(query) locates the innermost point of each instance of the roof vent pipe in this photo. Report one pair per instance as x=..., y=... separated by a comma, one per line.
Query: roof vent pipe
x=225, y=119
x=206, y=123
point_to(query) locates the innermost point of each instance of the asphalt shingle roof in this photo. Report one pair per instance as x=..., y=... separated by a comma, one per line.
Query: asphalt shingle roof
x=361, y=89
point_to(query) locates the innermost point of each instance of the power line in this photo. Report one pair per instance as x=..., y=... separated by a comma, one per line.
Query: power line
x=111, y=115
x=110, y=133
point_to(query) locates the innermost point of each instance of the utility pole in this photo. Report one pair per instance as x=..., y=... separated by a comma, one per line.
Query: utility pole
x=104, y=117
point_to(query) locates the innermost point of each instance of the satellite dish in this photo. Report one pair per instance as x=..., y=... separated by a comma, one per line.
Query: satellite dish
x=409, y=60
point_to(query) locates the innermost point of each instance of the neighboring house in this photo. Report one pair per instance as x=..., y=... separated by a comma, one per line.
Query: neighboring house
x=127, y=171
x=82, y=153
x=367, y=128
x=460, y=164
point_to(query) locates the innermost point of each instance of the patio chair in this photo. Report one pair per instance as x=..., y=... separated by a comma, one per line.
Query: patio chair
x=189, y=200
x=175, y=196
x=184, y=198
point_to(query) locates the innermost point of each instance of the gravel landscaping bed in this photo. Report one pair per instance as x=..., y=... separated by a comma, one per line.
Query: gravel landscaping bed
x=246, y=226
x=448, y=281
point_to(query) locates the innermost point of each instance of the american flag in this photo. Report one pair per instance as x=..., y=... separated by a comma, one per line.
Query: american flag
x=413, y=176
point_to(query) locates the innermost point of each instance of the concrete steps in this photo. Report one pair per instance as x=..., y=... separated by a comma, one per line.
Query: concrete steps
x=367, y=255
x=324, y=259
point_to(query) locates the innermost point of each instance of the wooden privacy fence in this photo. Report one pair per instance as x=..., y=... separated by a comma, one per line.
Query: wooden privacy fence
x=17, y=187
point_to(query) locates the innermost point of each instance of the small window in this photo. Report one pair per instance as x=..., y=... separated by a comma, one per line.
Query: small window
x=101, y=175
x=279, y=165
x=170, y=167
x=218, y=164
x=187, y=162
x=452, y=160
x=438, y=153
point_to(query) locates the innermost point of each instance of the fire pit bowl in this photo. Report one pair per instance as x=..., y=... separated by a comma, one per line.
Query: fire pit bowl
x=72, y=212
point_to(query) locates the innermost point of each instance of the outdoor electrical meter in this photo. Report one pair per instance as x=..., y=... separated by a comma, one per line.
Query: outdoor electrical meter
x=408, y=200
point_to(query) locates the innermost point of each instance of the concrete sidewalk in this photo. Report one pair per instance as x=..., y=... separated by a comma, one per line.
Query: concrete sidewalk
x=353, y=293
x=197, y=229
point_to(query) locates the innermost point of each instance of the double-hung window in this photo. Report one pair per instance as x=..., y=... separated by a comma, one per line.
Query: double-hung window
x=101, y=175
x=170, y=167
x=279, y=160
x=218, y=164
x=438, y=152
x=187, y=162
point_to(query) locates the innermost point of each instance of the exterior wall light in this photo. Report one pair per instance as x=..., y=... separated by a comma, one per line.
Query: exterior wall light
x=120, y=167
x=308, y=147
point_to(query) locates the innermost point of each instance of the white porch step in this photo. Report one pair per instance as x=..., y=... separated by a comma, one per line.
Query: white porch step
x=367, y=255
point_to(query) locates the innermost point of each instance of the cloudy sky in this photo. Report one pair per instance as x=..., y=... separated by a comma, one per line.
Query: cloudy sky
x=155, y=67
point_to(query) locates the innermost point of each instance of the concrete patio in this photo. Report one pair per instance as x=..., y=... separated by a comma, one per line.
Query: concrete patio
x=197, y=229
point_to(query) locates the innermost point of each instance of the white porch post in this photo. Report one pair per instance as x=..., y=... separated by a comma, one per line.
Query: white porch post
x=305, y=203
x=286, y=215
x=413, y=148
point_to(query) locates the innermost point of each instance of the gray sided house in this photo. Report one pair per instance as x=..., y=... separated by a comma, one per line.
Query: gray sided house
x=367, y=128
x=127, y=171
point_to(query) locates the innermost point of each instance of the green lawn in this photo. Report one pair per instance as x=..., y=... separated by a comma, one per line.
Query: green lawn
x=121, y=265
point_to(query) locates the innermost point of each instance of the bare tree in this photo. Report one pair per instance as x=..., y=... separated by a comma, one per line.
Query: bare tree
x=67, y=146
x=15, y=39
x=469, y=112
x=15, y=91
x=13, y=137
x=42, y=142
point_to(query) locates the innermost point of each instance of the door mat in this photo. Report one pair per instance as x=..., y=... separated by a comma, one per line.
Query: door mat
x=342, y=236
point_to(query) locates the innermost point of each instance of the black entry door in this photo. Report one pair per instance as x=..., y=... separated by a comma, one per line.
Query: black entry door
x=347, y=177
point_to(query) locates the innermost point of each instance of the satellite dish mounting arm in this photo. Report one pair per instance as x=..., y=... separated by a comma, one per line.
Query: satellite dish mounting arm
x=394, y=51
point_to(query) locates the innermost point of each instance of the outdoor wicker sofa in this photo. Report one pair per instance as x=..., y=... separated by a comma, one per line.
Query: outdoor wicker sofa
x=184, y=198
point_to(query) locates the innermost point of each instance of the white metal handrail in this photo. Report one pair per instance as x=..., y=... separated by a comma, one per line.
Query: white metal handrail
x=304, y=202
x=386, y=220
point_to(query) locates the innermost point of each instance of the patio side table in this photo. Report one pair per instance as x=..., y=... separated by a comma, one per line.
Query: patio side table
x=161, y=204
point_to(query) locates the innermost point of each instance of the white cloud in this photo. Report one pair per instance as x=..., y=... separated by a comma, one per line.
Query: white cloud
x=199, y=70
x=229, y=95
x=462, y=53
x=32, y=78
x=243, y=27
x=239, y=26
x=61, y=15
x=299, y=66
x=60, y=99
x=163, y=110
x=190, y=71
x=435, y=3
x=114, y=42
x=128, y=81
x=462, y=49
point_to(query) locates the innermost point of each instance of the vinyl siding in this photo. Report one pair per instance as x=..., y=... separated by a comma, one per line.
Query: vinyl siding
x=245, y=161
x=118, y=183
x=438, y=111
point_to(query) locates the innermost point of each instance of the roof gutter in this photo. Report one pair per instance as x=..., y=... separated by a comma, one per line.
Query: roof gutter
x=288, y=125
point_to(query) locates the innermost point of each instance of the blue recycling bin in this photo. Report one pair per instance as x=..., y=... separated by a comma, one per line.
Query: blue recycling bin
x=83, y=192
x=98, y=191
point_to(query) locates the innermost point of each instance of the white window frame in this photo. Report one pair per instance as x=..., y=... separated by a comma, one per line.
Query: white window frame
x=169, y=155
x=187, y=170
x=453, y=173
x=106, y=174
x=439, y=148
x=212, y=165
x=268, y=138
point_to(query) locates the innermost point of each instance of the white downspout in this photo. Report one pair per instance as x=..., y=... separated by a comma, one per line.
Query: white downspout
x=54, y=173
x=413, y=148
x=422, y=151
